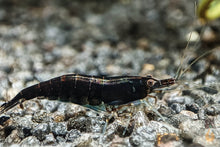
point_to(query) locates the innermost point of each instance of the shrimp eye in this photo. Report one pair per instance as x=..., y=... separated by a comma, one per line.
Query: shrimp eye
x=150, y=83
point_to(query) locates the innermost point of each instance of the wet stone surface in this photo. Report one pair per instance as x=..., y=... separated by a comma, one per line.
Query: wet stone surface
x=49, y=140
x=40, y=40
x=31, y=141
x=72, y=135
x=41, y=130
x=58, y=129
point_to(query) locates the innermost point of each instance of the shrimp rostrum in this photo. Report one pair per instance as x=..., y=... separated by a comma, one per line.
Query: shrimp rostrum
x=91, y=90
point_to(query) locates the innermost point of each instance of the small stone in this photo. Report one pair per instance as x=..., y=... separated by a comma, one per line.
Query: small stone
x=50, y=106
x=58, y=129
x=191, y=129
x=216, y=98
x=217, y=121
x=200, y=97
x=209, y=35
x=192, y=107
x=74, y=110
x=119, y=140
x=86, y=140
x=97, y=124
x=202, y=114
x=177, y=107
x=30, y=141
x=81, y=123
x=41, y=117
x=143, y=136
x=113, y=69
x=58, y=118
x=176, y=99
x=143, y=43
x=209, y=90
x=3, y=119
x=60, y=139
x=62, y=107
x=24, y=125
x=213, y=109
x=31, y=107
x=193, y=36
x=122, y=46
x=72, y=135
x=190, y=114
x=162, y=127
x=49, y=140
x=13, y=138
x=147, y=68
x=176, y=119
x=41, y=130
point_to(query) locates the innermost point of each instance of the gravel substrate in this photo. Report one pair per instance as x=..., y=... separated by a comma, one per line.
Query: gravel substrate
x=40, y=40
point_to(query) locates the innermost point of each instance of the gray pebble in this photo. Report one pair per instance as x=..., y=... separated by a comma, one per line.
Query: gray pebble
x=30, y=141
x=192, y=128
x=41, y=130
x=41, y=117
x=213, y=109
x=177, y=107
x=13, y=138
x=58, y=129
x=49, y=140
x=82, y=123
x=72, y=135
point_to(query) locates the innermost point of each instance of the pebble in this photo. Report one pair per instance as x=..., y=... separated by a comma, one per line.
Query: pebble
x=72, y=135
x=192, y=107
x=74, y=110
x=217, y=121
x=30, y=141
x=213, y=109
x=143, y=43
x=60, y=139
x=82, y=123
x=49, y=140
x=192, y=128
x=209, y=90
x=24, y=126
x=40, y=131
x=41, y=117
x=13, y=138
x=3, y=119
x=143, y=136
x=177, y=107
x=58, y=129
x=50, y=106
x=202, y=114
x=176, y=119
x=180, y=100
x=189, y=114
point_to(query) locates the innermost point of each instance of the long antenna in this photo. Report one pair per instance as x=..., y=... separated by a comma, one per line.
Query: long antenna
x=194, y=61
x=179, y=70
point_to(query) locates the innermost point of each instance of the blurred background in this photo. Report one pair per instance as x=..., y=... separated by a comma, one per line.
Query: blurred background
x=41, y=39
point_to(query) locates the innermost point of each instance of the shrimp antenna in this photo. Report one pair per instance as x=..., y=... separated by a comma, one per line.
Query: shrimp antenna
x=180, y=70
x=194, y=61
